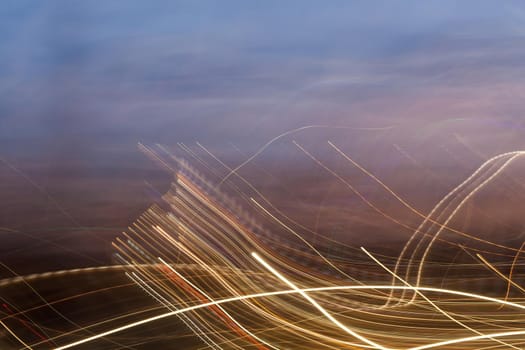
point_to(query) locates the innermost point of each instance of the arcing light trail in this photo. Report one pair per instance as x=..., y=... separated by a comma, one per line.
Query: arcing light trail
x=237, y=283
x=313, y=290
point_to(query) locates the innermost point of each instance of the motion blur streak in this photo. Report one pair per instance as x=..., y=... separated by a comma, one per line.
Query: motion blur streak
x=321, y=289
x=243, y=276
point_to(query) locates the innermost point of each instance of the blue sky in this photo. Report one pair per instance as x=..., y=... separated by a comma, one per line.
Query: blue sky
x=82, y=82
x=119, y=72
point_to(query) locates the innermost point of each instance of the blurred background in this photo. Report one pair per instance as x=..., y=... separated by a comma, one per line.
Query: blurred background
x=419, y=93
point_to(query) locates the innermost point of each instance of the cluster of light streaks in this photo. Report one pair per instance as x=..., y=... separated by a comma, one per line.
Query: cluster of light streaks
x=204, y=263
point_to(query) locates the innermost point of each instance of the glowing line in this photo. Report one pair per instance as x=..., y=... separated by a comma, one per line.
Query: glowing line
x=16, y=336
x=292, y=231
x=187, y=321
x=467, y=339
x=285, y=292
x=512, y=269
x=499, y=273
x=428, y=217
x=267, y=144
x=221, y=308
x=446, y=314
x=315, y=304
x=460, y=205
x=438, y=205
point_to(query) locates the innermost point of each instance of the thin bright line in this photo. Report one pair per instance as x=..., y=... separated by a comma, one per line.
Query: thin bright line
x=292, y=291
x=316, y=304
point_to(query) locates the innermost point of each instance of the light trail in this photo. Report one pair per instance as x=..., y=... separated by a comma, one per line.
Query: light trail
x=15, y=336
x=428, y=218
x=446, y=314
x=290, y=132
x=235, y=283
x=498, y=272
x=316, y=304
x=308, y=290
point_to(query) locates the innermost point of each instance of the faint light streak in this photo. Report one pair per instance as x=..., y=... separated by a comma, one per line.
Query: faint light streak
x=290, y=132
x=498, y=272
x=16, y=336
